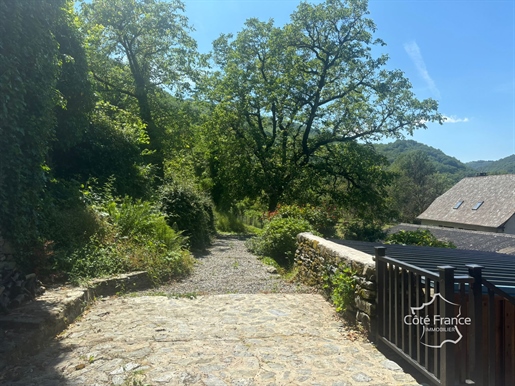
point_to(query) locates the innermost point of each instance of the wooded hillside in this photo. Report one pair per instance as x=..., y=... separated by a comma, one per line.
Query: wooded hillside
x=442, y=162
x=503, y=166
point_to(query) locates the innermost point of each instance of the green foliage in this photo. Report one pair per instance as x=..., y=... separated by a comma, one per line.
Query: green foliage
x=137, y=47
x=67, y=222
x=74, y=87
x=29, y=66
x=321, y=219
x=292, y=99
x=442, y=163
x=190, y=211
x=229, y=222
x=279, y=239
x=141, y=220
x=341, y=287
x=111, y=148
x=361, y=229
x=228, y=165
x=421, y=237
x=417, y=184
x=354, y=177
x=133, y=236
x=503, y=166
x=482, y=165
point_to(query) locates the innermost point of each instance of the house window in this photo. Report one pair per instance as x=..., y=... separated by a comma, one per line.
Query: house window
x=458, y=204
x=476, y=207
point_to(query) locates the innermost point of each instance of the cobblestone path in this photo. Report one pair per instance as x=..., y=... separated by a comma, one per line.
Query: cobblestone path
x=212, y=339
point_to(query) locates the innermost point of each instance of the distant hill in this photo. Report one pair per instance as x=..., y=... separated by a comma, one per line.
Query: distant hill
x=479, y=165
x=502, y=166
x=443, y=163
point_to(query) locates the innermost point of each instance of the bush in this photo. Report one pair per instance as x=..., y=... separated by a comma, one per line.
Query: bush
x=110, y=152
x=190, y=211
x=341, y=287
x=321, y=219
x=279, y=239
x=65, y=223
x=133, y=236
x=141, y=220
x=420, y=237
x=229, y=222
x=361, y=230
x=113, y=255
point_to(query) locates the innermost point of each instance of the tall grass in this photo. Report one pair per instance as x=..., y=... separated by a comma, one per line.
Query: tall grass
x=133, y=236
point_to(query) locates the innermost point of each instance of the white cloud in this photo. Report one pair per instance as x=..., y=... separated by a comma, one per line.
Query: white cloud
x=413, y=51
x=454, y=119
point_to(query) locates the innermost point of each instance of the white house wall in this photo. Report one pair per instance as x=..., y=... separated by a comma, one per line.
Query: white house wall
x=466, y=227
x=509, y=227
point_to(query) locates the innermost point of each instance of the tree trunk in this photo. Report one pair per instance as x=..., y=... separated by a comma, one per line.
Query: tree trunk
x=152, y=129
x=272, y=203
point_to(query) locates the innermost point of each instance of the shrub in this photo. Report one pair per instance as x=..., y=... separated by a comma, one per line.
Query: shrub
x=65, y=223
x=321, y=219
x=341, y=286
x=111, y=146
x=361, y=230
x=113, y=255
x=190, y=211
x=420, y=237
x=229, y=222
x=142, y=220
x=133, y=236
x=279, y=239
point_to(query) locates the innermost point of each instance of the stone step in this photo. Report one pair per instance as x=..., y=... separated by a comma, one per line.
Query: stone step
x=28, y=328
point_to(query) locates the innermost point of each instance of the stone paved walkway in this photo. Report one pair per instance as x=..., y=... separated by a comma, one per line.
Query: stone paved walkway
x=211, y=340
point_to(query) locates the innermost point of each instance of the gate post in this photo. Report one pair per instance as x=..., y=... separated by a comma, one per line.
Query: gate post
x=448, y=358
x=381, y=290
x=476, y=312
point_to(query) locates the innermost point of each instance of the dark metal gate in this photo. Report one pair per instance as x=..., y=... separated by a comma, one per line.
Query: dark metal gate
x=455, y=329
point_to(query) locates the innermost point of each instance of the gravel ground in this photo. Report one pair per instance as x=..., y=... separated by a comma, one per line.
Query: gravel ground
x=226, y=268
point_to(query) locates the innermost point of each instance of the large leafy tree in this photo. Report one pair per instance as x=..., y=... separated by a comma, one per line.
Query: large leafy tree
x=137, y=47
x=417, y=184
x=295, y=95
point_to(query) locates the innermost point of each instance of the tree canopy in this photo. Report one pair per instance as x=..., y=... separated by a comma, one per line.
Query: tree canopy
x=443, y=163
x=291, y=95
x=502, y=166
x=137, y=47
x=417, y=184
x=116, y=98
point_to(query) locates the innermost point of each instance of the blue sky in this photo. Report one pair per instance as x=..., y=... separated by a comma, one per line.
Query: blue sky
x=459, y=52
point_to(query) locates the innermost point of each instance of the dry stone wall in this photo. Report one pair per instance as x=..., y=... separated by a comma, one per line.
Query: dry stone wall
x=316, y=258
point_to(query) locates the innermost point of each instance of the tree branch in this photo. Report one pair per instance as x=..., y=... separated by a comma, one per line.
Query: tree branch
x=109, y=84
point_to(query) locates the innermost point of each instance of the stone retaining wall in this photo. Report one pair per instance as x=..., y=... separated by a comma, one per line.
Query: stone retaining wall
x=29, y=327
x=316, y=258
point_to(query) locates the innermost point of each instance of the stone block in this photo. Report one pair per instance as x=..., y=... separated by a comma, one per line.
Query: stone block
x=370, y=285
x=369, y=271
x=357, y=266
x=367, y=294
x=364, y=320
x=364, y=306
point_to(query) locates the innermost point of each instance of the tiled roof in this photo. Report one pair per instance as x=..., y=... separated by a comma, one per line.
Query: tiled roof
x=496, y=192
